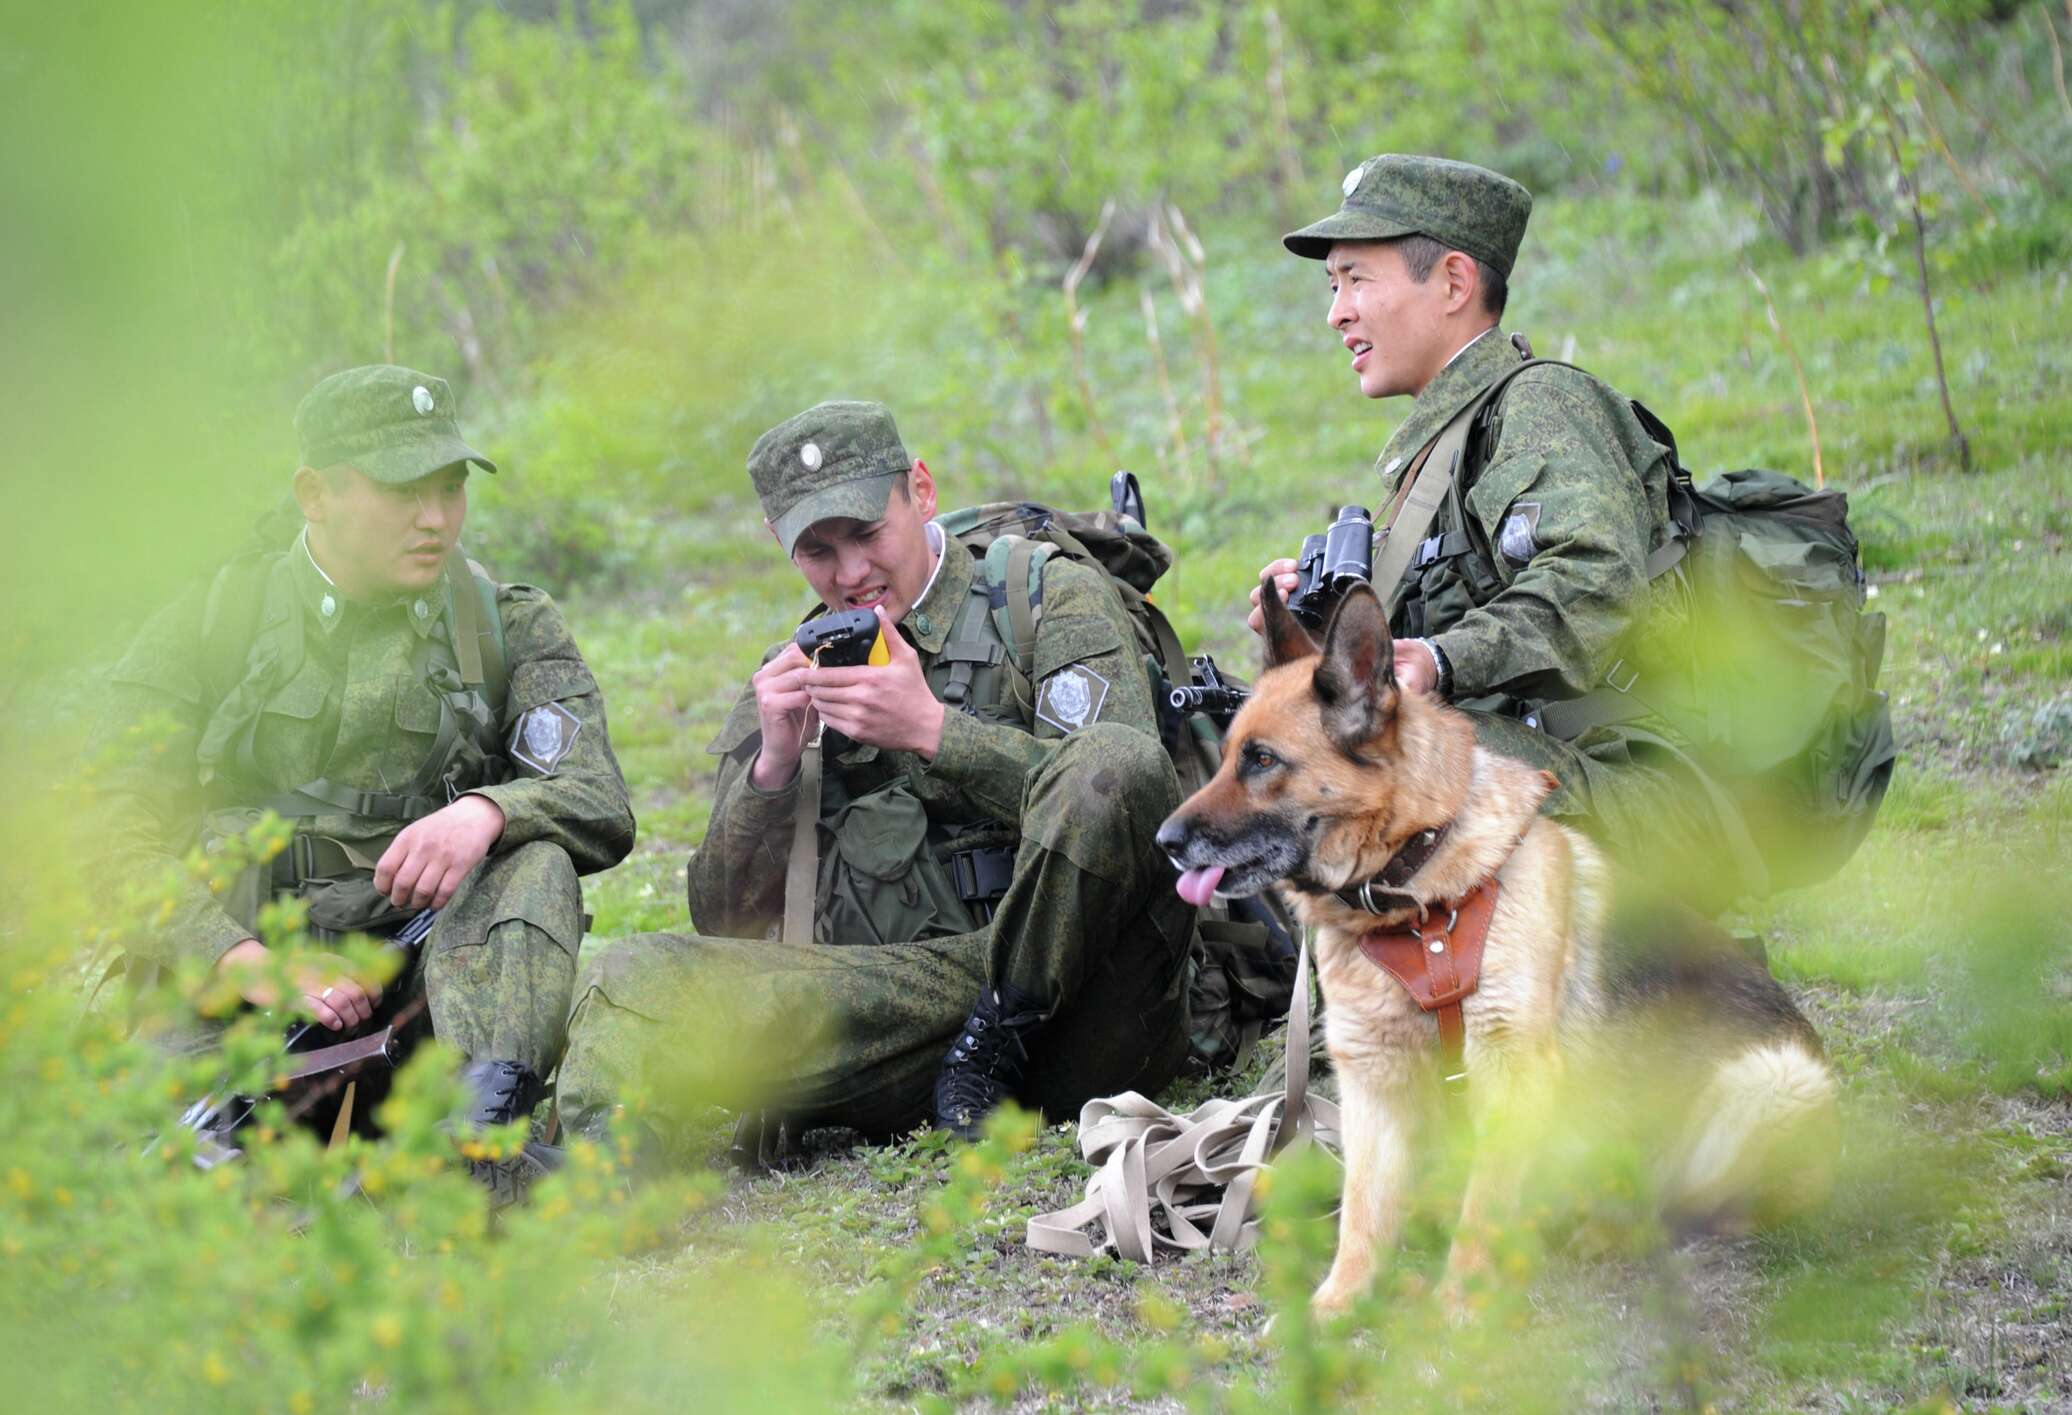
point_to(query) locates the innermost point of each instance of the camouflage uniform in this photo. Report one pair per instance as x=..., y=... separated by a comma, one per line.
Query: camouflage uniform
x=1532, y=582
x=269, y=689
x=850, y=1028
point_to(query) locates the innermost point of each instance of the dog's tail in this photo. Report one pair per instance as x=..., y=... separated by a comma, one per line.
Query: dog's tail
x=1763, y=1142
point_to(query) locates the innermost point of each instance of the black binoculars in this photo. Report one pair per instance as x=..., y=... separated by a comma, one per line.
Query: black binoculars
x=1331, y=564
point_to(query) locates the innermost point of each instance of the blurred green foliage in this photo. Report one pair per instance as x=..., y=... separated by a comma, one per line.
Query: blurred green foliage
x=634, y=235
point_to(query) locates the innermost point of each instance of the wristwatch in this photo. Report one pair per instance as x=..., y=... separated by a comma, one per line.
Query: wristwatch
x=1442, y=671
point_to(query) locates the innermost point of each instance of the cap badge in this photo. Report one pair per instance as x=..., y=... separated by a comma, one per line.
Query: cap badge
x=421, y=399
x=810, y=455
x=1352, y=179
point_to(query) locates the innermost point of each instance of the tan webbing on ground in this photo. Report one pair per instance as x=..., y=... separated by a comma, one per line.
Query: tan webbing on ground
x=1154, y=1164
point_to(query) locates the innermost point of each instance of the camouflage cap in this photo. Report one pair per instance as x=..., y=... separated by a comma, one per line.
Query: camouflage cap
x=393, y=424
x=834, y=459
x=1464, y=207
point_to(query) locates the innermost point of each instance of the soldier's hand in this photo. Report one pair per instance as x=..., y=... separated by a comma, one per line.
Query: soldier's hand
x=888, y=706
x=786, y=715
x=426, y=863
x=1416, y=668
x=334, y=997
x=1284, y=576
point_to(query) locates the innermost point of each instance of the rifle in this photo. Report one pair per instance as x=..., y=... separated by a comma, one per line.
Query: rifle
x=1209, y=693
x=315, y=1072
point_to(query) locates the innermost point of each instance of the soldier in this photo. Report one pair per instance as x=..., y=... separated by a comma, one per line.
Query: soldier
x=1532, y=585
x=990, y=916
x=433, y=735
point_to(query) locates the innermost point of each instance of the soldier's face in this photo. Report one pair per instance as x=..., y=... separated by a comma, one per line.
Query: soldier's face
x=856, y=564
x=1394, y=326
x=376, y=539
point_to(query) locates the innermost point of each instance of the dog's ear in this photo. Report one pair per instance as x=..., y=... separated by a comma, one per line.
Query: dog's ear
x=1356, y=682
x=1286, y=639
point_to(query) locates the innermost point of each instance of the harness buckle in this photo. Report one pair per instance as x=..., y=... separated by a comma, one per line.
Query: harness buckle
x=1611, y=676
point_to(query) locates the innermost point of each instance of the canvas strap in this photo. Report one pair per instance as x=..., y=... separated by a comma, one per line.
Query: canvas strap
x=1430, y=478
x=802, y=872
x=1184, y=1182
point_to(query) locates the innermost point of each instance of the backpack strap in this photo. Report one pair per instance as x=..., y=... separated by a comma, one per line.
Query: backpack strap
x=1013, y=569
x=1431, y=479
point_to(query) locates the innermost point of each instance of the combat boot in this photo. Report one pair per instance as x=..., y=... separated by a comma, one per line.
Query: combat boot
x=501, y=1092
x=983, y=1067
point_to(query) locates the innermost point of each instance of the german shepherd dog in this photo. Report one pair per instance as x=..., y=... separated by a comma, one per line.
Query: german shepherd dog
x=1328, y=773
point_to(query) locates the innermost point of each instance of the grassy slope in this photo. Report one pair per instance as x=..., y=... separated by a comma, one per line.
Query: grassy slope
x=1945, y=1261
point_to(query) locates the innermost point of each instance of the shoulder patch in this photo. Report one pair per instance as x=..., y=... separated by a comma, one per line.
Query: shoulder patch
x=543, y=736
x=1071, y=698
x=1519, y=539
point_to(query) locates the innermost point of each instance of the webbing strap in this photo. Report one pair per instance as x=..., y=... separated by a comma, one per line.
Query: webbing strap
x=1429, y=481
x=1439, y=461
x=801, y=874
x=465, y=599
x=1153, y=1163
x=1021, y=604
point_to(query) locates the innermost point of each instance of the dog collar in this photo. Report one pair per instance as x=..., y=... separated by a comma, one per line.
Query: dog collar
x=1384, y=893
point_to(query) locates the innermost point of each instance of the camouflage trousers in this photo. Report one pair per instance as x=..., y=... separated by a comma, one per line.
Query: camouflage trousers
x=833, y=1034
x=1648, y=808
x=496, y=972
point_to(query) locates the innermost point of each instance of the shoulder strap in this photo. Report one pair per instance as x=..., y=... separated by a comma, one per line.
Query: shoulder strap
x=476, y=625
x=229, y=618
x=1432, y=476
x=1013, y=571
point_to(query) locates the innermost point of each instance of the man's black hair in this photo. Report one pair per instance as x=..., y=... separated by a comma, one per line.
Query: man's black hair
x=1422, y=254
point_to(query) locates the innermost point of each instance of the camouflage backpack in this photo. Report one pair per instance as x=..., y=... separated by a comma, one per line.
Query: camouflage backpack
x=1242, y=972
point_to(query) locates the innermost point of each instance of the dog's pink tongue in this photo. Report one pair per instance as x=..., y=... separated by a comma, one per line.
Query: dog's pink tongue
x=1197, y=887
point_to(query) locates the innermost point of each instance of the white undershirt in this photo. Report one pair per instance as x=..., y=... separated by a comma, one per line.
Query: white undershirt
x=1467, y=346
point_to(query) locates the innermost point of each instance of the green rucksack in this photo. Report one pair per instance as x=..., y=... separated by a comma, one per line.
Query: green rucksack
x=1774, y=685
x=1243, y=969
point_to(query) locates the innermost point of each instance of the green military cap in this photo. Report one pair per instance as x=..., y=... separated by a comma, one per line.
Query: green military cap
x=394, y=424
x=1462, y=206
x=834, y=459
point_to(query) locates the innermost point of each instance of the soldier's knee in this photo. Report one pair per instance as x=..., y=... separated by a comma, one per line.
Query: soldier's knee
x=544, y=865
x=1108, y=759
x=1103, y=793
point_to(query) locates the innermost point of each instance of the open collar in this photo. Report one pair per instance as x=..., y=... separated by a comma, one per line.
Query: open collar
x=928, y=622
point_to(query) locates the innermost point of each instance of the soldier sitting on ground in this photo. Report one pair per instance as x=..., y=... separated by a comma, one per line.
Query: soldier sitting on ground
x=433, y=736
x=1530, y=589
x=989, y=917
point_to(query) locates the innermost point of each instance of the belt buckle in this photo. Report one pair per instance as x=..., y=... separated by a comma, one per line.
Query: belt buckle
x=1611, y=676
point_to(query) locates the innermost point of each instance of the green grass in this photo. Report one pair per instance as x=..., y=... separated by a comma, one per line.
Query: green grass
x=1937, y=965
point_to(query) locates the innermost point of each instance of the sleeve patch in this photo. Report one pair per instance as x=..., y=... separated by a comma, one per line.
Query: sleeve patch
x=1071, y=698
x=543, y=736
x=1519, y=539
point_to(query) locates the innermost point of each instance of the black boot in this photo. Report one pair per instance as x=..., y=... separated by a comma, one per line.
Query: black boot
x=984, y=1065
x=504, y=1091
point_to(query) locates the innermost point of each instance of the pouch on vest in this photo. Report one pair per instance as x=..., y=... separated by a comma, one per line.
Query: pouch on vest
x=880, y=880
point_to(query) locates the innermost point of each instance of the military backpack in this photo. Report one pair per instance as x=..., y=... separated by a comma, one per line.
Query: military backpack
x=1772, y=681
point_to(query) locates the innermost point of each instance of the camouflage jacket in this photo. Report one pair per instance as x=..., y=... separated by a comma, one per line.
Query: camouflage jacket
x=1083, y=642
x=1538, y=580
x=349, y=694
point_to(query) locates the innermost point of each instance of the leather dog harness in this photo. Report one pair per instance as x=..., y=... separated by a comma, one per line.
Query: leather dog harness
x=1439, y=964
